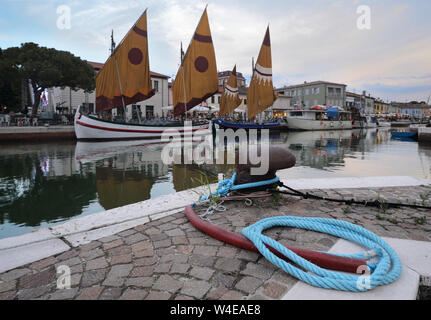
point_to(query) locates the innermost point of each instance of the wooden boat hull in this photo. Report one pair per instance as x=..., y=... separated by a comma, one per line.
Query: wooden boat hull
x=89, y=128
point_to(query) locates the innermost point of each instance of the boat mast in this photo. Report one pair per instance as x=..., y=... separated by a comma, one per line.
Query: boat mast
x=118, y=74
x=184, y=81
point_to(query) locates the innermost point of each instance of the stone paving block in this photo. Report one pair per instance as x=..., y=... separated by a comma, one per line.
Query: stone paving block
x=32, y=293
x=179, y=268
x=167, y=283
x=142, y=271
x=91, y=293
x=141, y=282
x=38, y=279
x=195, y=288
x=258, y=271
x=223, y=279
x=200, y=260
x=227, y=252
x=135, y=238
x=64, y=294
x=134, y=294
x=205, y=250
x=111, y=294
x=249, y=284
x=91, y=254
x=232, y=295
x=121, y=259
x=14, y=274
x=175, y=232
x=274, y=290
x=7, y=286
x=90, y=278
x=42, y=264
x=113, y=244
x=99, y=263
x=228, y=264
x=202, y=273
x=158, y=295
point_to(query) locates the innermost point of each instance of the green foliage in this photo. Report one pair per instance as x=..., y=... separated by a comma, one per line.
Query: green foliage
x=10, y=85
x=421, y=221
x=346, y=210
x=47, y=68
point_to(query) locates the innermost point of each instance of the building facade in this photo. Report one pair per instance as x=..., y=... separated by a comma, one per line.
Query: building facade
x=309, y=94
x=66, y=100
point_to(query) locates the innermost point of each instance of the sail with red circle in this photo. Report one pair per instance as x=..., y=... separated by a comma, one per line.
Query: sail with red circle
x=125, y=77
x=197, y=78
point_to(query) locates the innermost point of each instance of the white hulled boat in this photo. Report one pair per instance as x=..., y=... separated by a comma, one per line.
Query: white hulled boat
x=125, y=79
x=315, y=120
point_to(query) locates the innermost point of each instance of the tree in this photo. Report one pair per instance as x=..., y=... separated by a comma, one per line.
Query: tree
x=47, y=68
x=10, y=85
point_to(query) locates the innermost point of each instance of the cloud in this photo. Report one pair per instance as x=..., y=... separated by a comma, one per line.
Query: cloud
x=311, y=40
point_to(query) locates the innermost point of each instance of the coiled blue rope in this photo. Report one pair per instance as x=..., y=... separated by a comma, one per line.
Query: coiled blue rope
x=387, y=270
x=228, y=185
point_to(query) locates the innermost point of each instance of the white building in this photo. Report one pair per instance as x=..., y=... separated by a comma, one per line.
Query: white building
x=67, y=100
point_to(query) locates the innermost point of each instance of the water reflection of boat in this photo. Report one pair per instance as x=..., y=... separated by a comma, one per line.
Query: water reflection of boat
x=405, y=136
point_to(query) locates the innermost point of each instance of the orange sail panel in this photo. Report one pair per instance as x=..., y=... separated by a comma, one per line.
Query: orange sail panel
x=197, y=77
x=261, y=92
x=230, y=98
x=126, y=74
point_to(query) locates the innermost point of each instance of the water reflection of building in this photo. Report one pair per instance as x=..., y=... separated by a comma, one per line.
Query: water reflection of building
x=39, y=183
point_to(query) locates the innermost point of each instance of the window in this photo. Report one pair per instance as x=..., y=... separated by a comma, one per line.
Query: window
x=245, y=101
x=218, y=99
x=156, y=86
x=149, y=111
x=317, y=91
x=136, y=110
x=307, y=92
x=212, y=99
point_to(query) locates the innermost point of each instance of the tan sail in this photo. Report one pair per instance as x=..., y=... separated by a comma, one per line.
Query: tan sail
x=230, y=98
x=261, y=92
x=197, y=77
x=125, y=77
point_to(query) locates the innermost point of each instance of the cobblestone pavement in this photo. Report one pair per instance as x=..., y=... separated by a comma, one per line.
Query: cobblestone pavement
x=170, y=259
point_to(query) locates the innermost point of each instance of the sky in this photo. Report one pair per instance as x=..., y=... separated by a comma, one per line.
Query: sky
x=381, y=46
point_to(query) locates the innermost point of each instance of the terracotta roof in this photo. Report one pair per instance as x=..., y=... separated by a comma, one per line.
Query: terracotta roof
x=95, y=65
x=98, y=65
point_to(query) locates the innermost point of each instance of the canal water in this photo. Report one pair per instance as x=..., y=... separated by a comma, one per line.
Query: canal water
x=45, y=184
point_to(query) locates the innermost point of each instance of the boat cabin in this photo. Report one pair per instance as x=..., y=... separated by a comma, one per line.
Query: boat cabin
x=321, y=115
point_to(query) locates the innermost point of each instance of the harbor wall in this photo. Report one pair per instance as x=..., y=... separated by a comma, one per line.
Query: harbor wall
x=47, y=133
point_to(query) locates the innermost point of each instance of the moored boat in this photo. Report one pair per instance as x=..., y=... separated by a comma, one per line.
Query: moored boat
x=314, y=120
x=91, y=128
x=125, y=79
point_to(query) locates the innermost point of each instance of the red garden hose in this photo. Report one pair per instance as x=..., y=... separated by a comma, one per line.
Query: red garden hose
x=323, y=260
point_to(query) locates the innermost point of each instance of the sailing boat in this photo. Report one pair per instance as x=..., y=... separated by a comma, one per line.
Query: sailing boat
x=197, y=77
x=261, y=91
x=124, y=80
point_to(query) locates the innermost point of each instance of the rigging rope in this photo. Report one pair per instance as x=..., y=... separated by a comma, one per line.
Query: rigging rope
x=387, y=270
